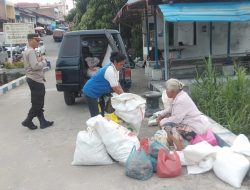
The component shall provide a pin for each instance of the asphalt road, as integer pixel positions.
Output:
(41, 159)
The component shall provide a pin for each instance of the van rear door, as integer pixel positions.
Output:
(111, 41)
(68, 64)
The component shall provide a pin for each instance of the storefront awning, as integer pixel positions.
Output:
(206, 12)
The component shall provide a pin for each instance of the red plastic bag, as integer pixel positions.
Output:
(208, 136)
(144, 144)
(168, 165)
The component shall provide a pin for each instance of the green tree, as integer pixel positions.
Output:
(70, 17)
(100, 14)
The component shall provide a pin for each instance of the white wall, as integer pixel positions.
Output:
(160, 23)
(240, 38)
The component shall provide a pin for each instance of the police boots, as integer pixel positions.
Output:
(43, 122)
(28, 123)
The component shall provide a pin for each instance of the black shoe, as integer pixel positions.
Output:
(43, 122)
(28, 123)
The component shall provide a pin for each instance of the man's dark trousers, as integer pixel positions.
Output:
(37, 97)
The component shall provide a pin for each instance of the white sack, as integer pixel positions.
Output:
(184, 162)
(204, 166)
(197, 152)
(167, 102)
(118, 140)
(231, 167)
(241, 145)
(92, 61)
(130, 108)
(90, 150)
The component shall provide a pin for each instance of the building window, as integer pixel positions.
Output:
(187, 33)
(171, 33)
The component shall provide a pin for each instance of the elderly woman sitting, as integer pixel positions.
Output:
(182, 120)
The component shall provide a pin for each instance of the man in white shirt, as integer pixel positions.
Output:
(104, 82)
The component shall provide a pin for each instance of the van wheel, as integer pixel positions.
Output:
(69, 98)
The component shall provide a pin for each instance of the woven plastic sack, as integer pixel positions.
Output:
(130, 108)
(168, 165)
(90, 150)
(241, 145)
(138, 165)
(231, 167)
(118, 140)
(92, 61)
(154, 148)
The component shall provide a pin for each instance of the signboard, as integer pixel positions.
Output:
(16, 33)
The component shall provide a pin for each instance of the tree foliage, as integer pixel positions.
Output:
(98, 14)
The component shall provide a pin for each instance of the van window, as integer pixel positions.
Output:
(70, 47)
(97, 45)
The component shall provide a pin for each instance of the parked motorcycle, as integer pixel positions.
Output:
(17, 57)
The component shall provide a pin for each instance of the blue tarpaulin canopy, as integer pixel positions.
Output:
(206, 12)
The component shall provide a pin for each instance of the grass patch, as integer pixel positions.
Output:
(15, 65)
(225, 99)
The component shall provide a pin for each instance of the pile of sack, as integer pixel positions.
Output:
(228, 163)
(103, 138)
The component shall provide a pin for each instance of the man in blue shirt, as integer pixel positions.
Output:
(104, 82)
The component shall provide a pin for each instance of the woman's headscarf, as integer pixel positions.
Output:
(174, 85)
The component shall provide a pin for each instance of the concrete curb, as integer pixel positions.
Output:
(15, 83)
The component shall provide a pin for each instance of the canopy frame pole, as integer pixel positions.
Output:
(147, 29)
(228, 43)
(166, 49)
(211, 39)
(155, 39)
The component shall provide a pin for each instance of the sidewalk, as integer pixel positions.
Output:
(223, 135)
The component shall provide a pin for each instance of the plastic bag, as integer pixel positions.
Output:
(168, 165)
(161, 137)
(118, 140)
(138, 165)
(155, 147)
(144, 144)
(113, 117)
(208, 136)
(154, 163)
(90, 150)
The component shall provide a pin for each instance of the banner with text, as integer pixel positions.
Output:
(16, 33)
